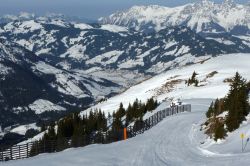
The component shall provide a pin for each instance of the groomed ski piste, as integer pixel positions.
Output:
(177, 140)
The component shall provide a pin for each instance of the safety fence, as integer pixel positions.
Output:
(50, 146)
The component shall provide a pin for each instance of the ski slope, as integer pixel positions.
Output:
(209, 87)
(174, 142)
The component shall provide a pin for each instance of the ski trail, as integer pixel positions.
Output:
(172, 142)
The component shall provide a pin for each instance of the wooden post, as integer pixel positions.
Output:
(27, 149)
(1, 159)
(19, 151)
(11, 157)
(125, 133)
(156, 118)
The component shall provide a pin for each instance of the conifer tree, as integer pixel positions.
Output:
(210, 111)
(129, 115)
(219, 130)
(237, 102)
(121, 110)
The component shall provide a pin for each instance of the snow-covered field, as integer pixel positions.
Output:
(171, 84)
(40, 106)
(23, 128)
(174, 141)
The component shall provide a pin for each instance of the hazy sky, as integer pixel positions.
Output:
(91, 9)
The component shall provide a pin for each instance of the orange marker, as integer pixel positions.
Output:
(125, 133)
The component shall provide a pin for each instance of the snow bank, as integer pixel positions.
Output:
(23, 128)
(40, 106)
(114, 28)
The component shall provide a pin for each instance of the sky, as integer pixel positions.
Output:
(91, 9)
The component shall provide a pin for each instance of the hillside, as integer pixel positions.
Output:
(171, 84)
(33, 90)
(175, 136)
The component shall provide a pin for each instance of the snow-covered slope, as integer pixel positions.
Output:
(23, 128)
(33, 89)
(174, 141)
(202, 16)
(212, 74)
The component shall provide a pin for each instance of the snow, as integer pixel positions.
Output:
(106, 58)
(147, 52)
(76, 52)
(232, 143)
(35, 138)
(43, 51)
(24, 27)
(182, 50)
(58, 22)
(220, 40)
(26, 44)
(41, 105)
(213, 87)
(4, 70)
(64, 82)
(26, 15)
(114, 28)
(196, 16)
(174, 141)
(83, 26)
(23, 128)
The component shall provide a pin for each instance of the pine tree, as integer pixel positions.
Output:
(129, 115)
(237, 102)
(210, 111)
(193, 80)
(196, 82)
(117, 122)
(219, 130)
(121, 110)
(43, 127)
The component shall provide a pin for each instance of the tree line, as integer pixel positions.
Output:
(235, 105)
(78, 129)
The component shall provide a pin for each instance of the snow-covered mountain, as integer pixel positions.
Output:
(74, 46)
(32, 89)
(22, 16)
(202, 16)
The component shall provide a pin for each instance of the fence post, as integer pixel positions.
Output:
(10, 153)
(19, 153)
(44, 146)
(125, 133)
(157, 117)
(1, 157)
(27, 149)
(151, 121)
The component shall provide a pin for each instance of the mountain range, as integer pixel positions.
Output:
(204, 16)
